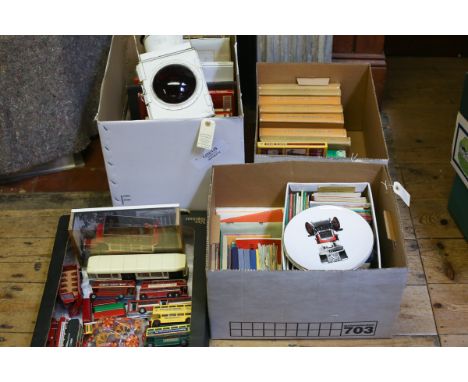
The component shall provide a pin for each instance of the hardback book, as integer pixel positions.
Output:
(299, 100)
(332, 142)
(301, 131)
(332, 120)
(294, 90)
(302, 109)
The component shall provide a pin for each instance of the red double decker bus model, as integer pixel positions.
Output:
(113, 290)
(57, 332)
(163, 289)
(69, 289)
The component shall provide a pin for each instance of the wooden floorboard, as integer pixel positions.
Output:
(19, 304)
(416, 317)
(454, 340)
(450, 304)
(15, 339)
(54, 200)
(431, 219)
(417, 341)
(416, 274)
(25, 250)
(445, 260)
(419, 177)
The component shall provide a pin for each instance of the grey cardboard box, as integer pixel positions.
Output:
(361, 110)
(157, 161)
(305, 304)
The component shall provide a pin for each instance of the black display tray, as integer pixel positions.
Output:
(199, 324)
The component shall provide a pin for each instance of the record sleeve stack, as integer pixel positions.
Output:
(302, 119)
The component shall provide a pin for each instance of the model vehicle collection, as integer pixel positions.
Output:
(129, 299)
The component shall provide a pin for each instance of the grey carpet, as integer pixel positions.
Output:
(49, 91)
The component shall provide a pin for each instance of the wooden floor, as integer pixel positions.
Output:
(420, 107)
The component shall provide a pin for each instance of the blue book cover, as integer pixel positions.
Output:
(246, 259)
(241, 258)
(253, 259)
(234, 257)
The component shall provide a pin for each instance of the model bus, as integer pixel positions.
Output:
(146, 306)
(174, 340)
(160, 289)
(69, 289)
(138, 267)
(163, 331)
(170, 314)
(131, 234)
(113, 289)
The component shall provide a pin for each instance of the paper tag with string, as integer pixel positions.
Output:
(206, 134)
(401, 192)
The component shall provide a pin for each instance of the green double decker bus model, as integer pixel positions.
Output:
(172, 335)
(180, 340)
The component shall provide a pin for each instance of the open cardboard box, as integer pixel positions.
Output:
(361, 110)
(157, 161)
(305, 304)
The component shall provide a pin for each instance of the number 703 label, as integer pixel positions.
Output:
(359, 328)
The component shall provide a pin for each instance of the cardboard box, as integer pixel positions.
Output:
(157, 161)
(361, 111)
(305, 304)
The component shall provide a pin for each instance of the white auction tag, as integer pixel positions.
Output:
(402, 193)
(206, 134)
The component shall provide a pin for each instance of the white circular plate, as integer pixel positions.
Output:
(328, 238)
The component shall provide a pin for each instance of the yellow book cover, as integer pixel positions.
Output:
(299, 131)
(300, 91)
(301, 109)
(299, 100)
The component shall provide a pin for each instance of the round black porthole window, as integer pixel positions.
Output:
(174, 84)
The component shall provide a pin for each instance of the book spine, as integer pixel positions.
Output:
(241, 259)
(246, 258)
(234, 257)
(253, 259)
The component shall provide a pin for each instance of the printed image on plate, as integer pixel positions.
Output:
(328, 238)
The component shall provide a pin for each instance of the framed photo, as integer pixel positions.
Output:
(459, 157)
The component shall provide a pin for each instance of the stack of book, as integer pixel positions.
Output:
(301, 120)
(346, 197)
(250, 239)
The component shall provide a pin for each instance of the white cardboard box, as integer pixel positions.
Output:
(157, 161)
(361, 110)
(362, 303)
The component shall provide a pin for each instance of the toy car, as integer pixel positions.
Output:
(161, 289)
(324, 230)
